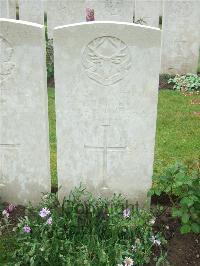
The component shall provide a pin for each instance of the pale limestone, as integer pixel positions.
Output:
(112, 10)
(12, 9)
(8, 9)
(24, 141)
(181, 36)
(63, 12)
(148, 12)
(31, 10)
(106, 84)
(160, 7)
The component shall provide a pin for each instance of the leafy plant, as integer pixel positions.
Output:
(182, 184)
(140, 21)
(84, 230)
(188, 82)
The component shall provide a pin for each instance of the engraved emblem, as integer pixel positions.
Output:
(106, 60)
(6, 66)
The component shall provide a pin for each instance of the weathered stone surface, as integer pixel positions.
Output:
(148, 11)
(8, 9)
(181, 35)
(112, 10)
(24, 142)
(160, 7)
(63, 12)
(106, 76)
(12, 9)
(31, 10)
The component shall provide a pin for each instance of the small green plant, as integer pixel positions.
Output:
(49, 58)
(182, 184)
(85, 230)
(188, 82)
(140, 21)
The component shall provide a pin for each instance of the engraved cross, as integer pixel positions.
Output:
(105, 149)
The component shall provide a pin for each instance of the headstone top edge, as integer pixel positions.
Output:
(22, 22)
(133, 25)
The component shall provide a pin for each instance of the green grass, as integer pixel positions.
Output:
(52, 136)
(178, 131)
(7, 247)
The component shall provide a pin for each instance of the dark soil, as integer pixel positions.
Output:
(181, 249)
(163, 82)
(50, 82)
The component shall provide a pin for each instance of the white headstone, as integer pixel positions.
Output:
(63, 12)
(148, 11)
(31, 10)
(8, 9)
(24, 142)
(181, 36)
(106, 76)
(160, 7)
(112, 10)
(12, 9)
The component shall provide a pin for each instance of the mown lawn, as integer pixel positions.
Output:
(178, 130)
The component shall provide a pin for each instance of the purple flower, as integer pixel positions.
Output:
(89, 14)
(11, 207)
(27, 229)
(5, 213)
(44, 212)
(49, 221)
(126, 213)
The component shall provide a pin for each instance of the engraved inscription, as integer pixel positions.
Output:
(106, 60)
(6, 64)
(105, 148)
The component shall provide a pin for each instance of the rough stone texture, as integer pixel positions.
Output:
(106, 77)
(148, 11)
(180, 38)
(24, 142)
(63, 12)
(31, 10)
(8, 9)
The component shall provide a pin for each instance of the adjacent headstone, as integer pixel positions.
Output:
(4, 9)
(24, 142)
(106, 78)
(112, 10)
(148, 12)
(160, 7)
(31, 10)
(12, 9)
(63, 12)
(181, 35)
(8, 9)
